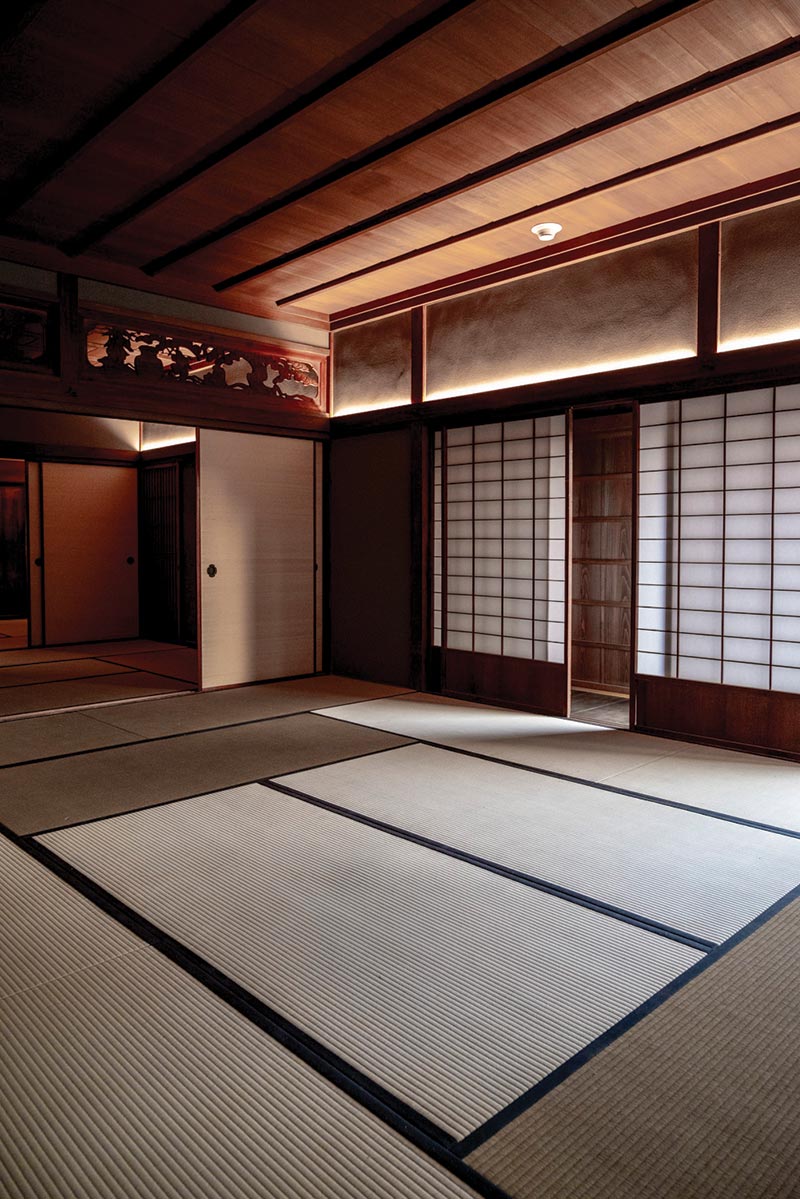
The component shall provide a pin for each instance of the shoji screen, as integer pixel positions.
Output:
(499, 540)
(719, 539)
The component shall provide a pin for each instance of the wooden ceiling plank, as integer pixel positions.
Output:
(763, 193)
(100, 229)
(635, 21)
(54, 160)
(699, 152)
(673, 96)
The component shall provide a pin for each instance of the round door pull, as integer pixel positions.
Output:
(211, 571)
(37, 562)
(130, 560)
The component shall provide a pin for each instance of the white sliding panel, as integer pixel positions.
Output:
(258, 518)
(501, 557)
(719, 539)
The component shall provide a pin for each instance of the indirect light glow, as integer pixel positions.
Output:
(595, 368)
(548, 231)
(350, 409)
(162, 445)
(760, 339)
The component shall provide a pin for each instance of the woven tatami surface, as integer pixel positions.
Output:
(698, 1101)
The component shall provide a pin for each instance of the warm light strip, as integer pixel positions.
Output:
(352, 408)
(162, 445)
(550, 376)
(760, 339)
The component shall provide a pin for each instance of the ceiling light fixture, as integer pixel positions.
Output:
(548, 231)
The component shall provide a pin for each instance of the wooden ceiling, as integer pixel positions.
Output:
(308, 158)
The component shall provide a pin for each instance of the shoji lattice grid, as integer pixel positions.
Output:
(719, 539)
(499, 538)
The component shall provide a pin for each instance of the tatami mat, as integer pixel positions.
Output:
(48, 930)
(63, 791)
(211, 709)
(46, 697)
(693, 873)
(134, 645)
(548, 742)
(127, 1078)
(49, 736)
(178, 662)
(699, 1100)
(56, 672)
(30, 657)
(749, 786)
(454, 988)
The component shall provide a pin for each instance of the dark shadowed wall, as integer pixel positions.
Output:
(371, 568)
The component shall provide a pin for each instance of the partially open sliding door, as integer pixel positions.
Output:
(259, 546)
(499, 562)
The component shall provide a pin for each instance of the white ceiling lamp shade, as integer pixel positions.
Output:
(547, 231)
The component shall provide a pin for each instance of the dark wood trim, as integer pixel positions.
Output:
(737, 717)
(326, 558)
(631, 24)
(750, 196)
(527, 214)
(134, 403)
(515, 682)
(708, 283)
(420, 533)
(42, 451)
(418, 351)
(568, 542)
(101, 228)
(700, 84)
(634, 551)
(70, 333)
(53, 161)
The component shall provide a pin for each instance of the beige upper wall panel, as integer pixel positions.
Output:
(372, 365)
(759, 293)
(632, 306)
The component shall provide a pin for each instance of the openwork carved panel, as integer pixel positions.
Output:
(189, 359)
(23, 336)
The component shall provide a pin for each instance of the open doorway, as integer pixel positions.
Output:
(602, 529)
(85, 561)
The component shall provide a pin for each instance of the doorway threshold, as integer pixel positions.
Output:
(611, 709)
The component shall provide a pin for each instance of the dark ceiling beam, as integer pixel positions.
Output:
(621, 29)
(17, 19)
(52, 162)
(101, 228)
(709, 81)
(765, 193)
(527, 214)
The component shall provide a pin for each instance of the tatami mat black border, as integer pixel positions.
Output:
(517, 876)
(165, 803)
(81, 678)
(571, 778)
(537, 1092)
(142, 739)
(414, 1127)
